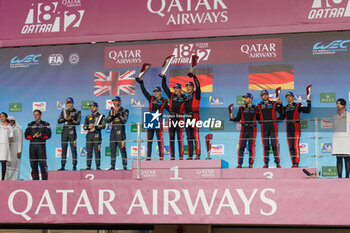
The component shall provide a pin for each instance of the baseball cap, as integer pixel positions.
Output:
(177, 85)
(93, 104)
(117, 98)
(290, 93)
(248, 95)
(157, 89)
(190, 84)
(263, 92)
(69, 100)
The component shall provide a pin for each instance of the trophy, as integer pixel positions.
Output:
(230, 110)
(194, 63)
(166, 65)
(208, 140)
(308, 92)
(144, 69)
(65, 115)
(98, 120)
(278, 92)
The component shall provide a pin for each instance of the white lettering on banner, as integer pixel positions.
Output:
(46, 201)
(259, 50)
(83, 197)
(126, 56)
(201, 195)
(327, 9)
(245, 200)
(155, 202)
(174, 202)
(176, 173)
(227, 195)
(184, 12)
(210, 123)
(24, 212)
(226, 200)
(106, 203)
(50, 17)
(268, 201)
(138, 201)
(64, 199)
(46, 197)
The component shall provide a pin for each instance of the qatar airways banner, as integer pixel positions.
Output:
(173, 202)
(33, 22)
(208, 52)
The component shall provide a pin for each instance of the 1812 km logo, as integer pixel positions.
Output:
(51, 17)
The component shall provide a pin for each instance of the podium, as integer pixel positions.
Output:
(90, 175)
(183, 170)
(179, 169)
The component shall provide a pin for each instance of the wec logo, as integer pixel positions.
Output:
(51, 17)
(29, 60)
(331, 48)
(325, 9)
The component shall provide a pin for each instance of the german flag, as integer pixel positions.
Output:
(204, 75)
(269, 77)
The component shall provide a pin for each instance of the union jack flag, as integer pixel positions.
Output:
(114, 83)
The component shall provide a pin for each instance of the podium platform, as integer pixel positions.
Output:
(90, 175)
(183, 170)
(179, 169)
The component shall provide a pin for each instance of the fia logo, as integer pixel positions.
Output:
(327, 9)
(151, 120)
(55, 59)
(51, 17)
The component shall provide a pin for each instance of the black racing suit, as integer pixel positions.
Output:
(93, 139)
(292, 114)
(37, 147)
(69, 134)
(176, 110)
(118, 136)
(192, 114)
(247, 116)
(267, 111)
(155, 104)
